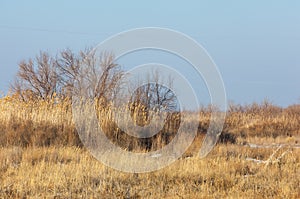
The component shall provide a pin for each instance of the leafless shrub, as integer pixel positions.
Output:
(68, 65)
(153, 96)
(36, 78)
(99, 75)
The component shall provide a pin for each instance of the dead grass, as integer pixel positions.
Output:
(71, 172)
(45, 123)
(41, 156)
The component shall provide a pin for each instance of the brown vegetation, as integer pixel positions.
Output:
(69, 172)
(49, 122)
(41, 156)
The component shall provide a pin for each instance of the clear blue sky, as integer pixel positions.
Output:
(255, 44)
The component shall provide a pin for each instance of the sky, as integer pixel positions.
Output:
(255, 44)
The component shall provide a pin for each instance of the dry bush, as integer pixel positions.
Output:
(263, 120)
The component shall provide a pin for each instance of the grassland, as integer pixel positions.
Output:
(41, 156)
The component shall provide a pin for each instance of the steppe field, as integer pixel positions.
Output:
(41, 156)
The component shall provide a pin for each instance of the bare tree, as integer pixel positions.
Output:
(98, 76)
(68, 65)
(44, 76)
(153, 96)
(37, 77)
(99, 72)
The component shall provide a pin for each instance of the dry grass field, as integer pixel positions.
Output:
(41, 156)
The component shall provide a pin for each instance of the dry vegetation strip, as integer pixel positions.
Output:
(69, 172)
(41, 156)
(49, 122)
